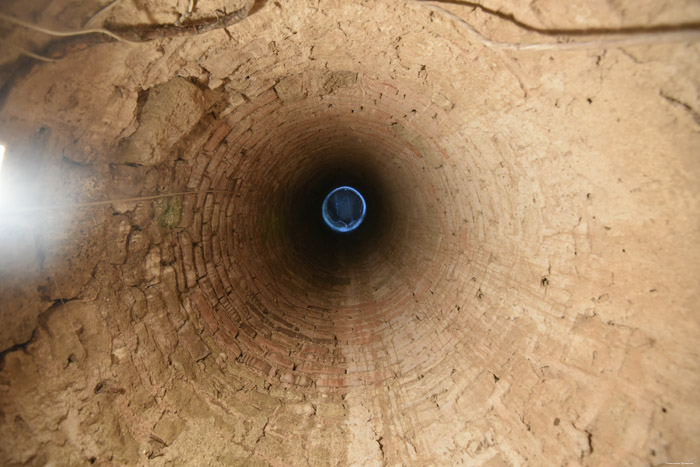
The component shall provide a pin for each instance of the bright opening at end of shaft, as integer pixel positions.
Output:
(344, 209)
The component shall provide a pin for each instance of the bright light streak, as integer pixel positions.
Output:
(4, 189)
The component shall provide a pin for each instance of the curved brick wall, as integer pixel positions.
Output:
(523, 290)
(304, 307)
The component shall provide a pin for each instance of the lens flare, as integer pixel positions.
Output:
(3, 186)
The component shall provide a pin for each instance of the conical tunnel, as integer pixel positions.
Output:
(522, 288)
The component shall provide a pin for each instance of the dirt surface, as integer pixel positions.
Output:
(531, 301)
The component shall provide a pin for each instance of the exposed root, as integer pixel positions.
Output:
(618, 38)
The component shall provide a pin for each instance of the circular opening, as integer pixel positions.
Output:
(344, 209)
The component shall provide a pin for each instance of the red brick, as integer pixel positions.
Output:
(228, 322)
(257, 363)
(208, 290)
(228, 343)
(330, 381)
(200, 264)
(188, 259)
(208, 208)
(205, 311)
(197, 171)
(269, 344)
(213, 276)
(217, 137)
(280, 360)
(295, 378)
(248, 346)
(314, 348)
(224, 278)
(192, 342)
(248, 330)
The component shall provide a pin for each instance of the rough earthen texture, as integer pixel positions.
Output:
(531, 298)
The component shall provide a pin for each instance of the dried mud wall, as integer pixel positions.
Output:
(525, 293)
